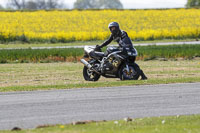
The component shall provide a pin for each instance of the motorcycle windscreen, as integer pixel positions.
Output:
(89, 49)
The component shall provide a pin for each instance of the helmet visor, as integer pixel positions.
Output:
(114, 30)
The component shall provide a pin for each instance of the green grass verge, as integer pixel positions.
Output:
(47, 76)
(100, 84)
(167, 124)
(48, 55)
(39, 55)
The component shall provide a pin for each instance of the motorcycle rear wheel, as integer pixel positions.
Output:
(90, 75)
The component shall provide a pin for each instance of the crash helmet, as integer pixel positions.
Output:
(114, 28)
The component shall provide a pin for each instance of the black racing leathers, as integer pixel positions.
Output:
(121, 38)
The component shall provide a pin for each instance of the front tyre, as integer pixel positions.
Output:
(90, 75)
(130, 73)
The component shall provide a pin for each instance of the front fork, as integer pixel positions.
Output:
(127, 67)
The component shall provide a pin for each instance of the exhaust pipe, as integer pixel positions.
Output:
(86, 63)
(89, 66)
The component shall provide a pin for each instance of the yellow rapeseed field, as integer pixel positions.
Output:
(92, 24)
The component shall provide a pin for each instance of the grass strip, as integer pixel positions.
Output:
(165, 124)
(74, 54)
(46, 76)
(101, 84)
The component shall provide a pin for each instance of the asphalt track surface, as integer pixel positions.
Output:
(134, 44)
(31, 109)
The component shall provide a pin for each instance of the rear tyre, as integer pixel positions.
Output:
(90, 75)
(131, 74)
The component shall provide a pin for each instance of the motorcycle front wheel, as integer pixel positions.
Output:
(90, 75)
(130, 73)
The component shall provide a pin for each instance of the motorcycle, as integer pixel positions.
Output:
(114, 63)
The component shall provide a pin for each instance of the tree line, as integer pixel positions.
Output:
(79, 4)
(57, 4)
(34, 4)
(193, 3)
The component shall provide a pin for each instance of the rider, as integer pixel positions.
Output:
(121, 37)
(117, 35)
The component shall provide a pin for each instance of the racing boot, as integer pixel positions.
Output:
(144, 77)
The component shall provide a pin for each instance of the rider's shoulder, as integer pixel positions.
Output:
(124, 33)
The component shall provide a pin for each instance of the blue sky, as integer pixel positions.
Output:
(137, 4)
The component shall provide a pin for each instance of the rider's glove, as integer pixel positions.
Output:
(98, 48)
